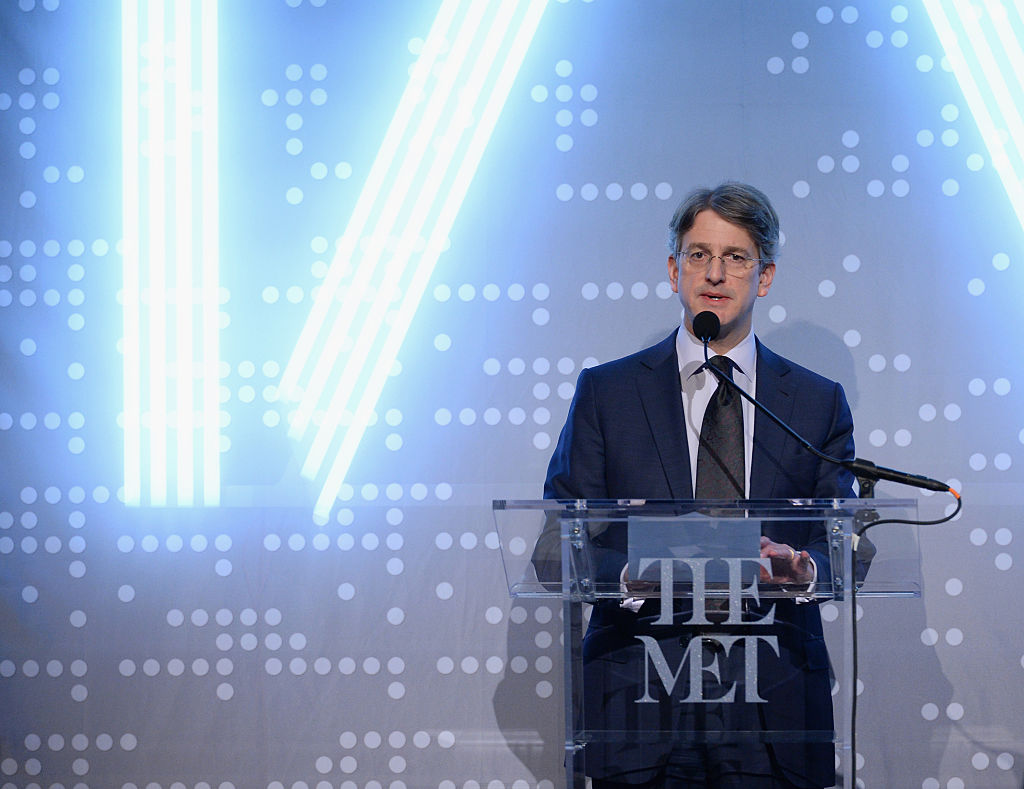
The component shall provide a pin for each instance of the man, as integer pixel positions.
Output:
(635, 431)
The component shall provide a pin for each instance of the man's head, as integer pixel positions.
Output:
(723, 243)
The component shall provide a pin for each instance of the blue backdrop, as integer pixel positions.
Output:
(190, 596)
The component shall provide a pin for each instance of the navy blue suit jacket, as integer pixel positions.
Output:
(625, 438)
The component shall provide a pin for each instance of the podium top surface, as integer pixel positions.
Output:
(532, 533)
(752, 508)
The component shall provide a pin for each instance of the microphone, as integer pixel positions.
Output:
(865, 469)
(706, 327)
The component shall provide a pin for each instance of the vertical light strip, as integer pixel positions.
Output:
(456, 121)
(183, 252)
(209, 202)
(130, 285)
(170, 250)
(156, 253)
(986, 66)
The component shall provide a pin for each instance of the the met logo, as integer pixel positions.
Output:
(703, 663)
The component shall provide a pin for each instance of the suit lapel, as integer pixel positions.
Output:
(776, 393)
(661, 395)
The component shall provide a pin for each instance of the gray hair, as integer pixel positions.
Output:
(738, 203)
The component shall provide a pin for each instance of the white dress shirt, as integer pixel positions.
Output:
(699, 387)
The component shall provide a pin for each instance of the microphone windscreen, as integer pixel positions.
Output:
(706, 326)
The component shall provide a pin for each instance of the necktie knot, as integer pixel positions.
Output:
(723, 364)
(724, 394)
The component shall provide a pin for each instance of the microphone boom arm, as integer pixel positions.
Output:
(866, 472)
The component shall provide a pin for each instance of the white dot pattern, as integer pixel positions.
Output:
(396, 599)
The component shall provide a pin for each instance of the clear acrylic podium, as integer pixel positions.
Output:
(714, 651)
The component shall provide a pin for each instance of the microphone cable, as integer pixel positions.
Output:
(706, 326)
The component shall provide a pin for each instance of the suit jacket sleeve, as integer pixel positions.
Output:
(834, 481)
(577, 471)
(830, 480)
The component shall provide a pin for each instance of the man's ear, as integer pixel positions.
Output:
(764, 279)
(673, 273)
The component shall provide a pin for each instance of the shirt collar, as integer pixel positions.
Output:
(690, 351)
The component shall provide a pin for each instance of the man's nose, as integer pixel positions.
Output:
(715, 271)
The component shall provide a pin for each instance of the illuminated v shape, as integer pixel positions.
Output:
(399, 227)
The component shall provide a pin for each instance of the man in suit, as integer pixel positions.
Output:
(634, 431)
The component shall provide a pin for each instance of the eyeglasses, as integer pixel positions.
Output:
(733, 262)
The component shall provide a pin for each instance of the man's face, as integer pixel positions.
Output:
(731, 297)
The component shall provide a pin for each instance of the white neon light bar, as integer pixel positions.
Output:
(209, 240)
(169, 52)
(368, 199)
(349, 346)
(183, 250)
(984, 51)
(130, 286)
(155, 197)
(377, 272)
(435, 245)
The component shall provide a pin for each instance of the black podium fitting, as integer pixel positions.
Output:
(696, 650)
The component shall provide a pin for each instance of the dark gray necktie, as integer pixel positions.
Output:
(720, 467)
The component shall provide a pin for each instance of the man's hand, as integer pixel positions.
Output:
(788, 565)
(637, 588)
